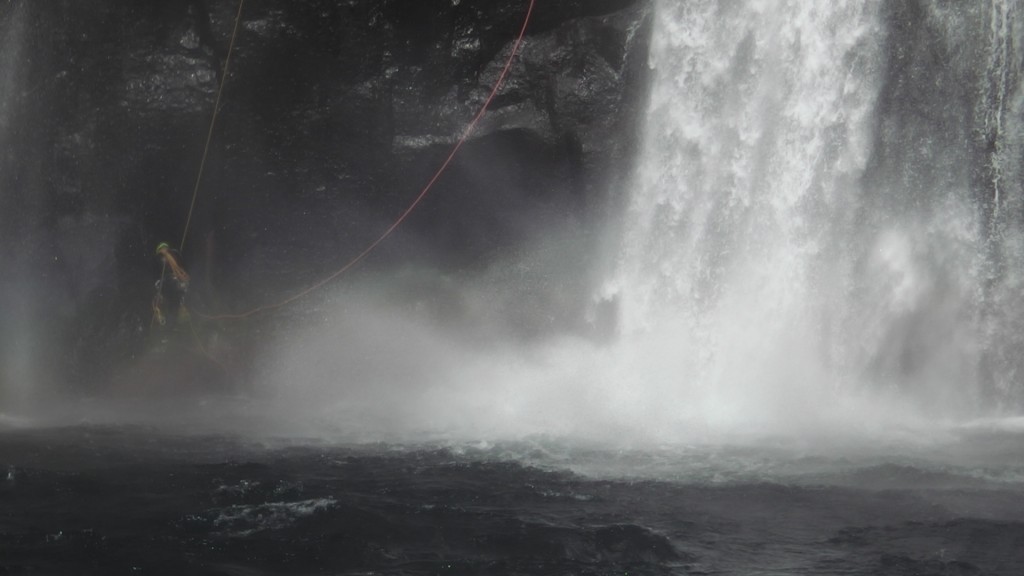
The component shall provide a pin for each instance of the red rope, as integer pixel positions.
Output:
(415, 202)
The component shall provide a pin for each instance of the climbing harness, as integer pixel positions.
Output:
(401, 218)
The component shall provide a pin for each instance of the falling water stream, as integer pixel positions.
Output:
(779, 259)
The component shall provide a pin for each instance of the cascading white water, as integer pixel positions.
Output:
(736, 251)
(1000, 113)
(760, 119)
(766, 270)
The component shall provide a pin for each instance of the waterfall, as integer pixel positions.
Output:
(807, 223)
(999, 113)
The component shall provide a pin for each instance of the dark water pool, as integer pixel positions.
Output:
(131, 500)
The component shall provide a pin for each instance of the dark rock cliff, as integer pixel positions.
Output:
(334, 116)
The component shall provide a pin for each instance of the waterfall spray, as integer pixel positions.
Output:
(793, 235)
(803, 252)
(1000, 136)
(736, 247)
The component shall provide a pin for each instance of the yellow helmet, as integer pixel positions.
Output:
(161, 247)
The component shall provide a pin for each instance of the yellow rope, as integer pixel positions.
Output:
(176, 269)
(213, 121)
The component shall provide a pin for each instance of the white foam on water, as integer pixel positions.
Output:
(242, 520)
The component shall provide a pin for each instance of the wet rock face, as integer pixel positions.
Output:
(334, 116)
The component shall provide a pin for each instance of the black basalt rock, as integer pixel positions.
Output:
(334, 116)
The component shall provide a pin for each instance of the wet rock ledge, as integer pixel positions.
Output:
(334, 116)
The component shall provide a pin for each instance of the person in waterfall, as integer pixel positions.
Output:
(177, 287)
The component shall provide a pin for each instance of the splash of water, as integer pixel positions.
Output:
(774, 267)
(801, 256)
(1000, 112)
(740, 250)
